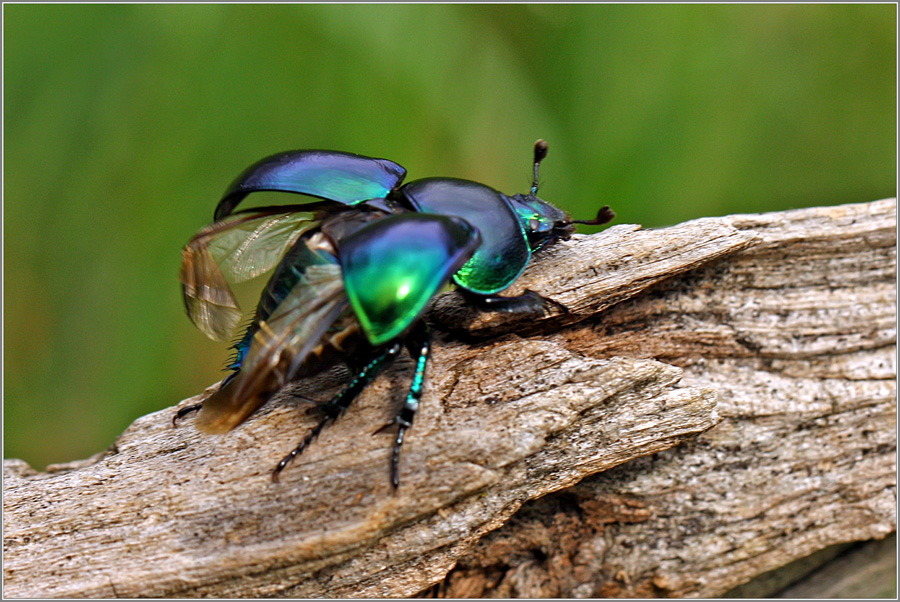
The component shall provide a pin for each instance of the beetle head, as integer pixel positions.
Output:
(542, 222)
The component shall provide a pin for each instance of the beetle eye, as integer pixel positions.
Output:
(534, 224)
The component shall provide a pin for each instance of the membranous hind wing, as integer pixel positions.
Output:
(304, 298)
(235, 249)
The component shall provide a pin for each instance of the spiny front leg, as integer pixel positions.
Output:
(337, 406)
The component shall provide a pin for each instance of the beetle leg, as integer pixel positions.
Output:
(185, 411)
(199, 406)
(419, 346)
(337, 406)
(527, 302)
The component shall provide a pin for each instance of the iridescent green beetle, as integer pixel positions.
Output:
(354, 273)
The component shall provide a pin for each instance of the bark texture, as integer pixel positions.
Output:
(719, 401)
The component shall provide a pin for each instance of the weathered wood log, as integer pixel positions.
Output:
(858, 570)
(720, 401)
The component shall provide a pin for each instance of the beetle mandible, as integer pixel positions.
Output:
(355, 270)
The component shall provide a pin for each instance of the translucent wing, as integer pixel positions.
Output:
(237, 248)
(252, 248)
(282, 341)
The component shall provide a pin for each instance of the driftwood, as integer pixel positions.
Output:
(719, 402)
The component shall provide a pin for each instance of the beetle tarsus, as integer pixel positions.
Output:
(337, 406)
(310, 437)
(418, 343)
(185, 411)
(552, 303)
(395, 454)
(403, 425)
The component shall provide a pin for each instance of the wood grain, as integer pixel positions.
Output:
(719, 400)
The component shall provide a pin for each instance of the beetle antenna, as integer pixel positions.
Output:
(540, 153)
(604, 216)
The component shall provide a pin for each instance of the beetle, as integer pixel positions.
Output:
(355, 269)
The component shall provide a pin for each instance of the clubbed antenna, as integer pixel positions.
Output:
(604, 216)
(540, 153)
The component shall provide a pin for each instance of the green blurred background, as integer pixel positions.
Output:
(123, 124)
